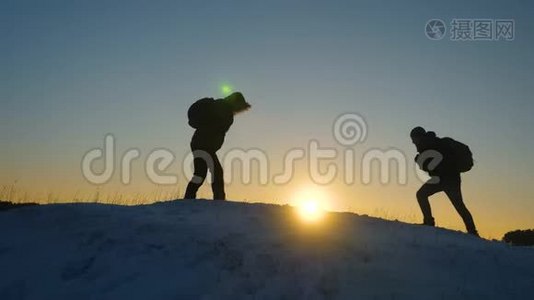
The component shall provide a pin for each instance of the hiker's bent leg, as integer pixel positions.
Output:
(454, 192)
(201, 170)
(217, 177)
(428, 189)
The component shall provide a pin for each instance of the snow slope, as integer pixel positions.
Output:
(206, 249)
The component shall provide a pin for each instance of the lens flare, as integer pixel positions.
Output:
(226, 89)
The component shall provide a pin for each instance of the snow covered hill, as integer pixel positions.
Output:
(206, 249)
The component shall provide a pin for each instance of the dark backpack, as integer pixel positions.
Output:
(463, 156)
(200, 112)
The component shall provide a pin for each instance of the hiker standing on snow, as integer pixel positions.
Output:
(211, 118)
(444, 159)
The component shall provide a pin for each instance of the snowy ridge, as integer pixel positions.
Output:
(206, 249)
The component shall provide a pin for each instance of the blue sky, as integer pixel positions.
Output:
(73, 71)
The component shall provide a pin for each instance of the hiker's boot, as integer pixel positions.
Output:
(191, 191)
(429, 222)
(473, 232)
(218, 191)
(219, 197)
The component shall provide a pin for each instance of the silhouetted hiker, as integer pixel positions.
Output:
(211, 118)
(455, 158)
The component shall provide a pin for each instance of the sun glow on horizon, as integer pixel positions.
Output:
(310, 204)
(310, 211)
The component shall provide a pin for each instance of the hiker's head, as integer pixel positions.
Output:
(237, 102)
(417, 134)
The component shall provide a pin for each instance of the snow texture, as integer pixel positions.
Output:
(212, 250)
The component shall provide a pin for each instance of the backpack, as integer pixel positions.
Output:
(462, 154)
(200, 112)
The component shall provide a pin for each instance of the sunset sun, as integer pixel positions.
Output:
(310, 210)
(310, 204)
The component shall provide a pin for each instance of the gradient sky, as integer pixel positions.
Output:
(73, 71)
